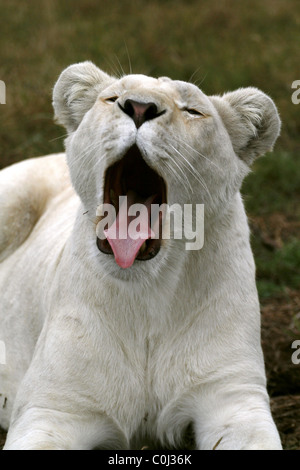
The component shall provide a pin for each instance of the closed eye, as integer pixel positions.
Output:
(112, 99)
(194, 112)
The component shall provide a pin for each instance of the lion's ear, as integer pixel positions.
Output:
(251, 119)
(76, 91)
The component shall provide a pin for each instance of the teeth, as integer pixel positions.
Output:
(143, 247)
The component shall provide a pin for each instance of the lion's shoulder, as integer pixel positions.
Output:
(26, 189)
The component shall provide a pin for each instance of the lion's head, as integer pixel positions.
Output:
(158, 141)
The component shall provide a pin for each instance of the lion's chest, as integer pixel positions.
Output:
(138, 382)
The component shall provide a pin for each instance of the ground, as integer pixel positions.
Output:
(278, 333)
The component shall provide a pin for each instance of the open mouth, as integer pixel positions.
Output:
(133, 178)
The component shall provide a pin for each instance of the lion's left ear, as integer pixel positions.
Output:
(251, 119)
(76, 91)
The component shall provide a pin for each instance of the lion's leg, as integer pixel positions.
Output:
(46, 429)
(236, 421)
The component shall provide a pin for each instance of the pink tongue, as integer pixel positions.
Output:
(126, 248)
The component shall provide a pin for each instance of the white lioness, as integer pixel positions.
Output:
(115, 346)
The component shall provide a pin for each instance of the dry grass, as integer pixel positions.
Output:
(279, 329)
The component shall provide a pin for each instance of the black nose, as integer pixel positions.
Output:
(140, 112)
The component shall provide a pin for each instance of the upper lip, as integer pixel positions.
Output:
(132, 173)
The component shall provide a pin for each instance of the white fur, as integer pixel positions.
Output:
(101, 357)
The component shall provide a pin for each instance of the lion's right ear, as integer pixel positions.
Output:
(76, 91)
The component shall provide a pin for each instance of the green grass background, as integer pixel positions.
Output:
(218, 44)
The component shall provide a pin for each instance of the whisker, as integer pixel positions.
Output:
(121, 68)
(82, 157)
(193, 171)
(190, 80)
(58, 138)
(128, 56)
(185, 176)
(200, 81)
(114, 68)
(172, 170)
(86, 151)
(198, 153)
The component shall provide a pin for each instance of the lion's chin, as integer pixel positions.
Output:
(132, 181)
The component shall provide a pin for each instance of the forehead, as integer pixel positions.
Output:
(179, 89)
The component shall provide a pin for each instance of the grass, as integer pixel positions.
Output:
(273, 184)
(278, 270)
(274, 189)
